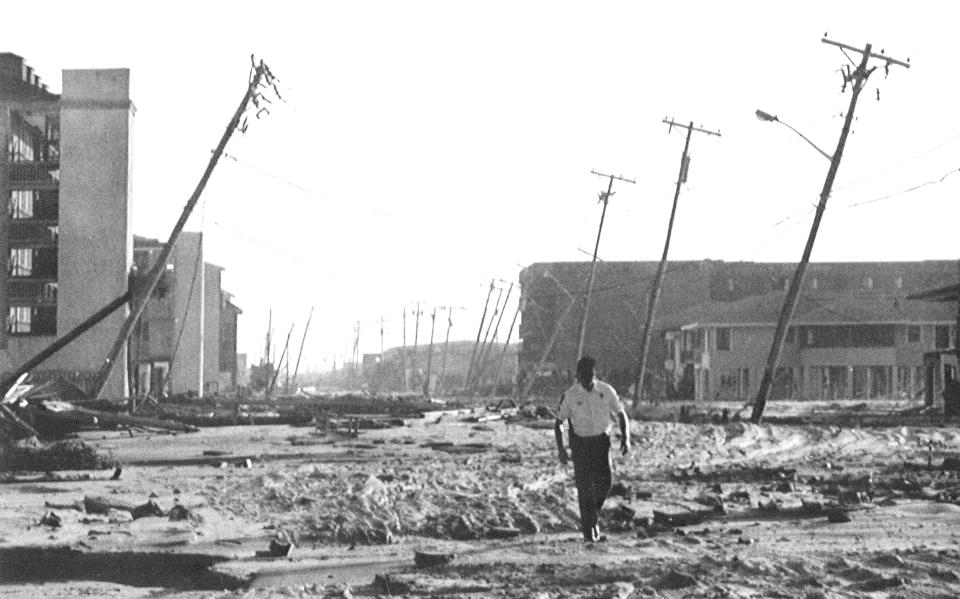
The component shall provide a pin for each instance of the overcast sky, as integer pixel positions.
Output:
(427, 147)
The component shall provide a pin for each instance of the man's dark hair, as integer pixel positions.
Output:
(586, 365)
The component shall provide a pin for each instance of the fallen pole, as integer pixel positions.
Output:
(62, 342)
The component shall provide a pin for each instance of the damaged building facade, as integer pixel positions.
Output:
(186, 339)
(65, 228)
(854, 334)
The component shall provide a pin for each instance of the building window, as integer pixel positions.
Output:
(723, 339)
(942, 336)
(21, 262)
(18, 321)
(913, 333)
(862, 335)
(32, 320)
(21, 204)
(730, 384)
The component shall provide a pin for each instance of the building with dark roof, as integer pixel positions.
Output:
(741, 300)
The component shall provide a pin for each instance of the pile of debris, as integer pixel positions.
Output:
(55, 408)
(30, 455)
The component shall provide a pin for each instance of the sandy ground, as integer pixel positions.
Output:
(358, 509)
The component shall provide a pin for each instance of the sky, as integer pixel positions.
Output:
(425, 148)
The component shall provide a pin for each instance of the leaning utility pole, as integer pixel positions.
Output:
(356, 353)
(266, 350)
(433, 323)
(416, 333)
(276, 372)
(473, 356)
(506, 345)
(557, 329)
(856, 79)
(403, 353)
(446, 345)
(260, 77)
(658, 279)
(302, 342)
(478, 365)
(604, 198)
(483, 361)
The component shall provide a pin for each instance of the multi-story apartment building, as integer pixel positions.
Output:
(185, 341)
(842, 346)
(65, 228)
(866, 325)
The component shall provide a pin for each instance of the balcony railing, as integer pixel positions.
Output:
(36, 173)
(25, 291)
(34, 233)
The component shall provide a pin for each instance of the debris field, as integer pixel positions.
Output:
(474, 503)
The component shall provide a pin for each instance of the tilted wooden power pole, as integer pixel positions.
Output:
(485, 351)
(476, 344)
(433, 324)
(302, 342)
(658, 279)
(478, 363)
(261, 77)
(856, 79)
(604, 199)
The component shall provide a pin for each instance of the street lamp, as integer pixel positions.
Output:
(770, 118)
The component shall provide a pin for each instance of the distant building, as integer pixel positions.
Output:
(710, 298)
(839, 347)
(186, 339)
(65, 229)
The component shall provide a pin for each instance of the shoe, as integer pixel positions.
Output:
(591, 535)
(595, 533)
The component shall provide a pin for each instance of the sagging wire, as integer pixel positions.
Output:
(905, 191)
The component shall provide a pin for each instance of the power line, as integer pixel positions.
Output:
(905, 191)
(297, 186)
(898, 165)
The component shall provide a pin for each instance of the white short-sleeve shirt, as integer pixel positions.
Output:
(591, 413)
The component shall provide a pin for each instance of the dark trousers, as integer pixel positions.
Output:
(591, 470)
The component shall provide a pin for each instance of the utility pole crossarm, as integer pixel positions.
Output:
(674, 123)
(867, 51)
(617, 177)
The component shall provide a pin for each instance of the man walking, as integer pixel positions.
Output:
(589, 406)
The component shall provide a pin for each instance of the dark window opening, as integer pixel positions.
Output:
(942, 336)
(723, 339)
(32, 320)
(861, 335)
(913, 334)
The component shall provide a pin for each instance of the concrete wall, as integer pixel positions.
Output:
(186, 372)
(211, 327)
(96, 243)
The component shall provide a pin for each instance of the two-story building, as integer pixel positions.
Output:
(746, 296)
(841, 346)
